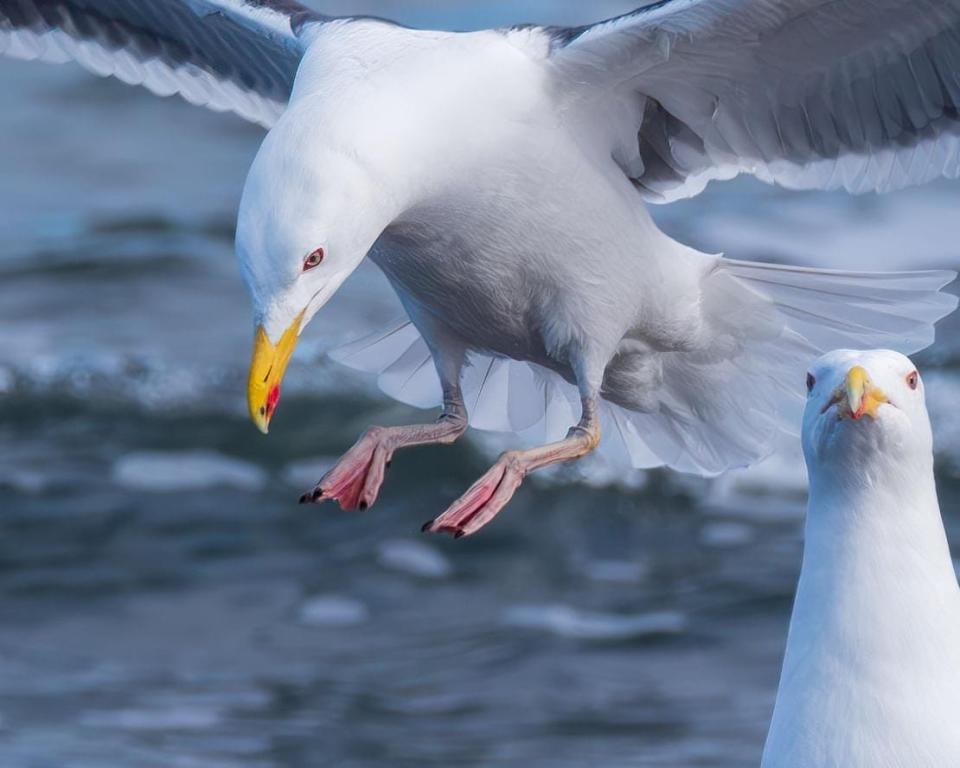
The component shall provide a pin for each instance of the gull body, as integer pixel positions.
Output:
(871, 675)
(500, 180)
(468, 230)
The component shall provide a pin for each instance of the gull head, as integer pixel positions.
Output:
(865, 416)
(307, 219)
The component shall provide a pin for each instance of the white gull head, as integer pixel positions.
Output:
(865, 419)
(309, 214)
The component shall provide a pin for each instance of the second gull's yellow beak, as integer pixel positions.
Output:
(860, 395)
(267, 367)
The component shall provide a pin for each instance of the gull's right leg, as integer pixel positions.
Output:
(356, 479)
(490, 494)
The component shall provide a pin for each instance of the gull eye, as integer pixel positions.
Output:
(811, 382)
(913, 380)
(313, 260)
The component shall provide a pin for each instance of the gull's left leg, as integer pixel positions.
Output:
(486, 497)
(356, 479)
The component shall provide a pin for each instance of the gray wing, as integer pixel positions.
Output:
(227, 55)
(855, 94)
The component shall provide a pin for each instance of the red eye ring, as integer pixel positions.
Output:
(313, 260)
(913, 380)
(811, 382)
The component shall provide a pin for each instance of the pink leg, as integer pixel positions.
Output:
(356, 479)
(486, 497)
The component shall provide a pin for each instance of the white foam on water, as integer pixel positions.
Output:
(617, 571)
(333, 611)
(181, 718)
(726, 534)
(566, 621)
(221, 698)
(205, 761)
(31, 470)
(24, 481)
(307, 472)
(186, 471)
(414, 558)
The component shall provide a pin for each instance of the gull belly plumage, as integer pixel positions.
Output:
(499, 178)
(871, 675)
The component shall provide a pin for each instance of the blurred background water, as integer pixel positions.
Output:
(164, 600)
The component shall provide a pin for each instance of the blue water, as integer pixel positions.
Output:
(164, 600)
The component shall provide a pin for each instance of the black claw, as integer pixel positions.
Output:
(363, 506)
(304, 498)
(389, 463)
(427, 526)
(317, 494)
(460, 533)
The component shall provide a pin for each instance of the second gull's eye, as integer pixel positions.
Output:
(913, 380)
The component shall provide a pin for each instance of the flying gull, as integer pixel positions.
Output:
(500, 179)
(871, 675)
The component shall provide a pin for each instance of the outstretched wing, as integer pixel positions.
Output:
(227, 55)
(855, 94)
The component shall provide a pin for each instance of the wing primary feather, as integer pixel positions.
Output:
(236, 55)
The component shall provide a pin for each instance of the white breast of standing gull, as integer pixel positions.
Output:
(871, 676)
(500, 179)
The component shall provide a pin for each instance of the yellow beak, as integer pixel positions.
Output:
(862, 397)
(267, 367)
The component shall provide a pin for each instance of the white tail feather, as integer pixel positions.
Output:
(716, 410)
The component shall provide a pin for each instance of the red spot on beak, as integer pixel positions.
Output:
(272, 399)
